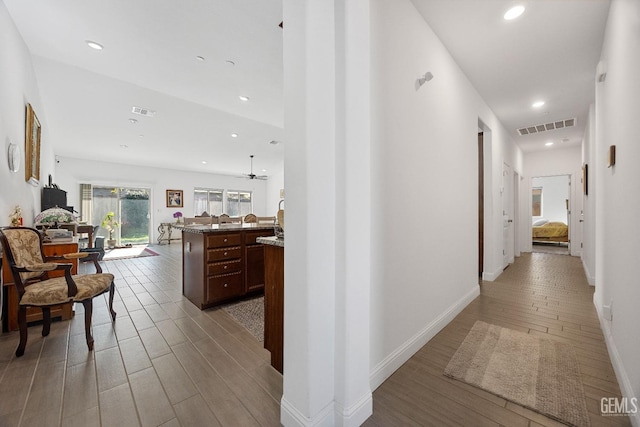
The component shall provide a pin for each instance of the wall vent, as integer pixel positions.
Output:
(143, 111)
(560, 124)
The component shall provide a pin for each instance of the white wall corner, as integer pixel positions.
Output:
(493, 275)
(391, 363)
(290, 416)
(621, 374)
(356, 414)
(591, 279)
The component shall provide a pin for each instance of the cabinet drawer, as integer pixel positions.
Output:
(224, 286)
(250, 237)
(223, 240)
(224, 267)
(223, 254)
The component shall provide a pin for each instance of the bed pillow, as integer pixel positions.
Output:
(539, 222)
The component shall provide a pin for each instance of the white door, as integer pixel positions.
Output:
(507, 215)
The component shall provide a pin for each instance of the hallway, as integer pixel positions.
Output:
(540, 294)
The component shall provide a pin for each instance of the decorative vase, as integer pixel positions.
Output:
(111, 243)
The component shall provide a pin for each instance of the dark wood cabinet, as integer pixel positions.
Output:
(222, 264)
(64, 311)
(274, 304)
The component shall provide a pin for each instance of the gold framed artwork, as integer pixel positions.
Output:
(32, 133)
(174, 198)
(612, 156)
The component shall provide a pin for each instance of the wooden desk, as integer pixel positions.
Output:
(64, 311)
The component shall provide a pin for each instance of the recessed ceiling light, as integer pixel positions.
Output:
(243, 98)
(124, 146)
(264, 170)
(133, 121)
(549, 144)
(204, 162)
(234, 135)
(140, 136)
(537, 104)
(273, 142)
(229, 62)
(514, 12)
(565, 139)
(94, 45)
(200, 58)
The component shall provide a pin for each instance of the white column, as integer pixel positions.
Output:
(327, 167)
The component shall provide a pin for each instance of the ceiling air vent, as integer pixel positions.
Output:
(529, 130)
(143, 111)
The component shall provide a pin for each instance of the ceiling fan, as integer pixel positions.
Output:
(252, 175)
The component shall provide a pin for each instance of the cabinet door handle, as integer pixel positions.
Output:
(225, 240)
(225, 267)
(226, 253)
(226, 285)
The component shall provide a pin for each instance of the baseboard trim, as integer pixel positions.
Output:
(616, 361)
(391, 363)
(357, 413)
(290, 416)
(490, 277)
(590, 279)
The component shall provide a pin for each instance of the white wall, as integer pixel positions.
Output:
(425, 186)
(275, 183)
(564, 161)
(18, 86)
(70, 173)
(555, 192)
(589, 201)
(618, 210)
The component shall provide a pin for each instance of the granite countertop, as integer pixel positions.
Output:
(212, 228)
(273, 241)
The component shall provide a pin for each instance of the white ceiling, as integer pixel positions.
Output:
(549, 53)
(149, 61)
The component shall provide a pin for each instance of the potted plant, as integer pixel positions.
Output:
(178, 217)
(109, 222)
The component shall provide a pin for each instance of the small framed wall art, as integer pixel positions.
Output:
(32, 148)
(612, 156)
(174, 198)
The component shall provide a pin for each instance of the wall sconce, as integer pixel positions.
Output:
(423, 79)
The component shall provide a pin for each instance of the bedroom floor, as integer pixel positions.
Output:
(551, 248)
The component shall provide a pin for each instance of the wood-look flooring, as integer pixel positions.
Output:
(164, 362)
(167, 363)
(541, 294)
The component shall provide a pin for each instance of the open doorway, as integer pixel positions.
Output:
(550, 214)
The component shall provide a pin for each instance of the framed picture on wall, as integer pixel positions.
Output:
(32, 147)
(174, 198)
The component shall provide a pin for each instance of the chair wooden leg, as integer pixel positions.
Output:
(88, 311)
(111, 292)
(22, 324)
(46, 321)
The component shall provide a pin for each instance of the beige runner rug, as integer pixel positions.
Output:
(540, 374)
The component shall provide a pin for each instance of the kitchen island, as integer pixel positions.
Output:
(222, 262)
(274, 298)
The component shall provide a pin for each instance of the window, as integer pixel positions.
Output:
(209, 201)
(239, 203)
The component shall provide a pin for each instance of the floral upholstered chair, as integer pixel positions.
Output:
(30, 269)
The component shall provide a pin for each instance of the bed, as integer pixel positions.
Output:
(550, 232)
